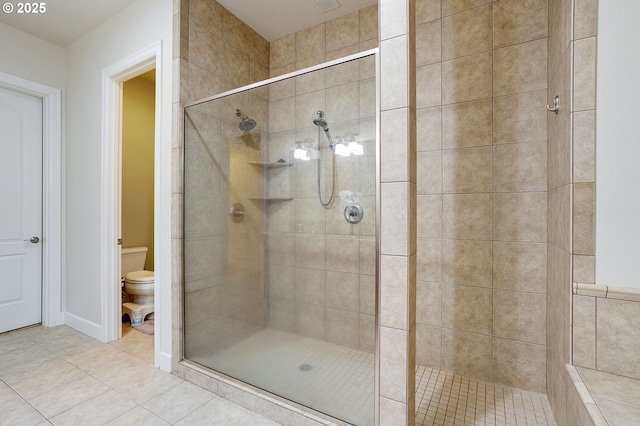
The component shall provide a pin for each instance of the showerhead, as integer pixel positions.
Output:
(247, 123)
(322, 123)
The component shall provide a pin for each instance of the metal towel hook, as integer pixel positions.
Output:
(556, 105)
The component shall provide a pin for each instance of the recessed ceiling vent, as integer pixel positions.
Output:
(326, 5)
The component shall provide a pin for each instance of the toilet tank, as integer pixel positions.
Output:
(133, 259)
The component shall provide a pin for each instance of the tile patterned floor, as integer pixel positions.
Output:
(444, 398)
(62, 377)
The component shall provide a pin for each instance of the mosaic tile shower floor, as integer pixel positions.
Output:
(324, 375)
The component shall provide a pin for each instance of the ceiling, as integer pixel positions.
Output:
(67, 20)
(273, 19)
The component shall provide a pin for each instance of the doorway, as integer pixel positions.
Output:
(137, 194)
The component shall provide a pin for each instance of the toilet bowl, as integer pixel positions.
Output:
(138, 283)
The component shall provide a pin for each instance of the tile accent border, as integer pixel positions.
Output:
(609, 292)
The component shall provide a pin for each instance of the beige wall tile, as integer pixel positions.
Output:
(282, 282)
(394, 89)
(584, 331)
(467, 124)
(466, 79)
(369, 23)
(342, 327)
(617, 338)
(457, 357)
(367, 294)
(520, 68)
(521, 217)
(394, 145)
(429, 129)
(519, 117)
(367, 333)
(343, 102)
(429, 43)
(429, 216)
(585, 18)
(429, 164)
(394, 292)
(584, 269)
(559, 147)
(467, 170)
(394, 19)
(454, 6)
(559, 280)
(519, 21)
(584, 146)
(518, 364)
(584, 74)
(429, 305)
(467, 262)
(521, 167)
(207, 14)
(557, 330)
(394, 223)
(394, 366)
(343, 31)
(467, 308)
(343, 291)
(309, 285)
(202, 83)
(205, 49)
(310, 320)
(310, 251)
(560, 23)
(283, 51)
(343, 253)
(393, 412)
(367, 256)
(427, 10)
(468, 216)
(557, 394)
(576, 409)
(520, 316)
(429, 260)
(467, 33)
(428, 346)
(310, 42)
(583, 218)
(428, 85)
(559, 231)
(520, 266)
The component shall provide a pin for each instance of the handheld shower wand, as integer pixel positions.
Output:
(322, 123)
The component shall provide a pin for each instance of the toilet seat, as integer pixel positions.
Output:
(140, 277)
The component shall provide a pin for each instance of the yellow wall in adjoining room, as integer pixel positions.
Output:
(138, 126)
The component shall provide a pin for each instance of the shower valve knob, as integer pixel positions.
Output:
(353, 213)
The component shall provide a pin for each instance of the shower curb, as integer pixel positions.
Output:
(588, 403)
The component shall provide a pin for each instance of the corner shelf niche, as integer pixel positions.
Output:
(268, 165)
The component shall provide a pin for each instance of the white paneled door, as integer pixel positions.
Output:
(20, 210)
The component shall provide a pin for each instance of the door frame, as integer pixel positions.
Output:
(52, 213)
(112, 79)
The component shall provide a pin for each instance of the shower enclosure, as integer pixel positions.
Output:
(280, 241)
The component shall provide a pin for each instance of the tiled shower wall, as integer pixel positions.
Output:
(321, 269)
(213, 52)
(482, 189)
(571, 74)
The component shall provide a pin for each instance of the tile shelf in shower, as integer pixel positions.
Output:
(269, 164)
(267, 198)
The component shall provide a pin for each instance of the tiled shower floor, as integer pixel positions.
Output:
(340, 381)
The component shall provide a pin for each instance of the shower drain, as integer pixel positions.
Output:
(305, 367)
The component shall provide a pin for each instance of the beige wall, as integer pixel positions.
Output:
(482, 181)
(321, 268)
(224, 292)
(571, 143)
(138, 150)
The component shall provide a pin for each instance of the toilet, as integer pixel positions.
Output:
(138, 284)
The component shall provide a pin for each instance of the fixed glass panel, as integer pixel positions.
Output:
(280, 237)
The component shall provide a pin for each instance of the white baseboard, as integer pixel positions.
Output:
(82, 325)
(163, 361)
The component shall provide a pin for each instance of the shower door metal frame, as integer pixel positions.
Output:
(375, 52)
